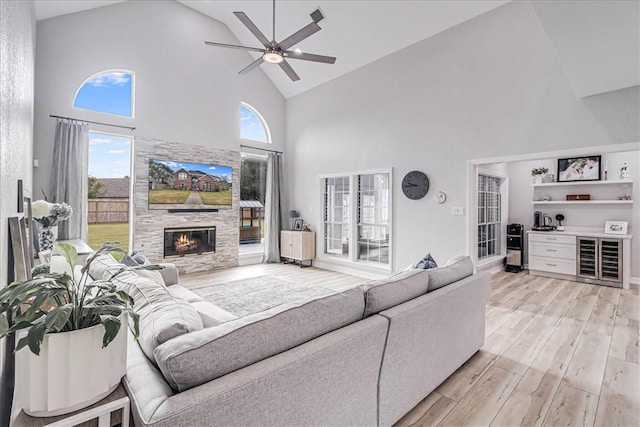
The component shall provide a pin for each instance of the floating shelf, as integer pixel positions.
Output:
(584, 202)
(580, 183)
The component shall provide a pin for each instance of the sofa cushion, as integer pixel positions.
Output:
(184, 293)
(163, 316)
(154, 275)
(100, 264)
(455, 269)
(196, 358)
(212, 315)
(383, 294)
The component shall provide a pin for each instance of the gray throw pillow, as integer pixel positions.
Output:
(134, 259)
(426, 263)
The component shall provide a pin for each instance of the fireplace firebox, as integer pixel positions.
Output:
(186, 241)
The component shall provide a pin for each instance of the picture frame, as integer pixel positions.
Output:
(298, 224)
(615, 227)
(585, 168)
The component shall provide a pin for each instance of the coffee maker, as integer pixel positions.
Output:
(538, 219)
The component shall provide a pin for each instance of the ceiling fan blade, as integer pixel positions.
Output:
(254, 64)
(299, 35)
(252, 27)
(291, 54)
(287, 69)
(233, 46)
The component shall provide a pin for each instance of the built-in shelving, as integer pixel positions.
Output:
(583, 202)
(581, 183)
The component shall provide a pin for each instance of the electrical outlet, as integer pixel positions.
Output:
(457, 210)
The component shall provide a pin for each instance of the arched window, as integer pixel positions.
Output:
(107, 92)
(253, 125)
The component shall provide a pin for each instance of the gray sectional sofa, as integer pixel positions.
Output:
(362, 357)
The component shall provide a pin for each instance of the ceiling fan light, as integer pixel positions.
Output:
(272, 57)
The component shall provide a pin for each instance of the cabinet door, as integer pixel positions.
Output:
(296, 245)
(611, 260)
(588, 257)
(285, 244)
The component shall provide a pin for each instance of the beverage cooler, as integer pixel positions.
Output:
(515, 248)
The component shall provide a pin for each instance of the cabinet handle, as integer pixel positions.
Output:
(551, 238)
(552, 265)
(552, 250)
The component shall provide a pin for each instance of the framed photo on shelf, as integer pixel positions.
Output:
(579, 169)
(297, 224)
(615, 227)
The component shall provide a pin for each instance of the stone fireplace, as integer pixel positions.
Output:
(186, 241)
(219, 248)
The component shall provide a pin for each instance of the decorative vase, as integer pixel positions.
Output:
(547, 178)
(72, 371)
(46, 238)
(537, 179)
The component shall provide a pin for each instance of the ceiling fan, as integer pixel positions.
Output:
(278, 53)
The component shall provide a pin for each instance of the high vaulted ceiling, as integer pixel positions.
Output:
(597, 41)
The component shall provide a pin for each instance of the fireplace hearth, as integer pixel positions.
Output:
(188, 241)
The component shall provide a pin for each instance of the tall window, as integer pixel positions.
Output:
(336, 216)
(253, 185)
(373, 217)
(107, 92)
(489, 216)
(253, 125)
(109, 189)
(367, 198)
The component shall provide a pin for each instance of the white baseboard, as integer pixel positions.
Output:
(634, 280)
(492, 266)
(351, 269)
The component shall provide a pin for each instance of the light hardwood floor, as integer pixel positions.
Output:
(556, 353)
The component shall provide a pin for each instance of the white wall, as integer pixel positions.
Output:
(17, 53)
(522, 193)
(488, 87)
(185, 91)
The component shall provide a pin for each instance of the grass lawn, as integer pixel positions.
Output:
(109, 232)
(216, 197)
(169, 196)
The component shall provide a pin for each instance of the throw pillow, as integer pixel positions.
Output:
(134, 259)
(426, 263)
(154, 275)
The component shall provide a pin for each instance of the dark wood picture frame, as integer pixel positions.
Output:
(573, 169)
(297, 224)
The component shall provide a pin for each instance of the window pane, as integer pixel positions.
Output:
(336, 216)
(489, 216)
(253, 183)
(373, 217)
(109, 185)
(109, 92)
(252, 126)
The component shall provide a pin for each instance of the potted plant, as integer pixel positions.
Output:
(74, 325)
(537, 174)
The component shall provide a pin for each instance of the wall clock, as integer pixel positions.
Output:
(415, 185)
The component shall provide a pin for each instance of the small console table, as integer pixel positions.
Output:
(298, 246)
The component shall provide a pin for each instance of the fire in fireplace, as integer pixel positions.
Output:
(184, 241)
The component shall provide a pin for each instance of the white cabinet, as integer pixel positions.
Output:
(298, 246)
(552, 254)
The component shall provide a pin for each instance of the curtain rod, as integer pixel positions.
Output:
(261, 149)
(89, 121)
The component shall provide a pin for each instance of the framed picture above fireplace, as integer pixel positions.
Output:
(176, 185)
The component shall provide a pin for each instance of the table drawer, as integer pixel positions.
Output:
(552, 265)
(552, 250)
(552, 238)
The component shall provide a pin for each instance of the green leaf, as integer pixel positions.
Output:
(69, 253)
(21, 343)
(4, 325)
(35, 336)
(111, 327)
(58, 317)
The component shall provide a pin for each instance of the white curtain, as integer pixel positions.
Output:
(272, 215)
(69, 178)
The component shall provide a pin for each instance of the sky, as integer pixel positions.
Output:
(250, 126)
(108, 92)
(213, 170)
(109, 155)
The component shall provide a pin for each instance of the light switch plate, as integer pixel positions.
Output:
(457, 210)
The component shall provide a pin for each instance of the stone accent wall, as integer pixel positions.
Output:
(149, 225)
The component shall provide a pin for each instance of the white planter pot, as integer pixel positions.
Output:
(72, 371)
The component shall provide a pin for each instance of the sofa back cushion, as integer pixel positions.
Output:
(386, 293)
(199, 357)
(457, 268)
(101, 264)
(163, 316)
